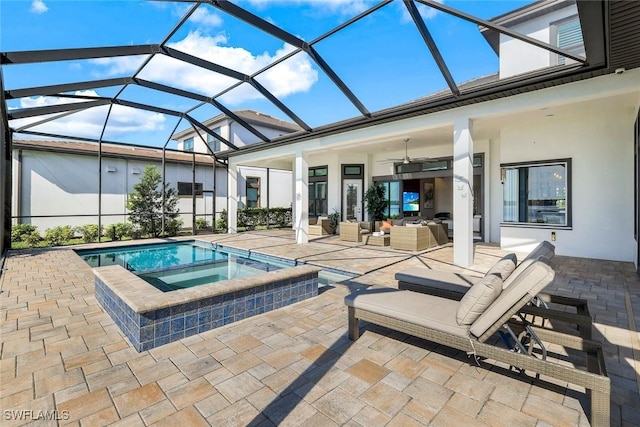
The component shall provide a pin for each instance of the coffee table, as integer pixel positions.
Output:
(378, 240)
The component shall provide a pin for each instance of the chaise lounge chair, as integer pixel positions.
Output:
(484, 310)
(454, 286)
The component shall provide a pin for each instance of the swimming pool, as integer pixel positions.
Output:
(204, 296)
(173, 266)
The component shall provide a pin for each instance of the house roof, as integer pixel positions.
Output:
(110, 150)
(251, 116)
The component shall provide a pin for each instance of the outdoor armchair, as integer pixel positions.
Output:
(320, 226)
(353, 231)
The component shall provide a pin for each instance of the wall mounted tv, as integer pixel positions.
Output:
(410, 201)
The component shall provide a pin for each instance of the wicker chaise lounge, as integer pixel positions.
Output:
(485, 309)
(454, 286)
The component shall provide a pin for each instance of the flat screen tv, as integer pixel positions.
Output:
(410, 201)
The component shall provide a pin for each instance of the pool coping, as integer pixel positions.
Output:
(143, 297)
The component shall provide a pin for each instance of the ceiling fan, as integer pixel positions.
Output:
(406, 160)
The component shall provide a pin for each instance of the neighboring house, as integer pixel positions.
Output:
(554, 161)
(57, 182)
(252, 181)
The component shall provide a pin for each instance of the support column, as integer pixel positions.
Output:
(462, 192)
(232, 198)
(301, 202)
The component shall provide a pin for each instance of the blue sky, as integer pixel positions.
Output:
(382, 57)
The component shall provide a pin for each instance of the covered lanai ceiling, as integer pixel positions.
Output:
(326, 66)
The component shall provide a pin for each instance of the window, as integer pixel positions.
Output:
(253, 192)
(184, 189)
(568, 36)
(187, 145)
(537, 193)
(318, 205)
(392, 195)
(213, 142)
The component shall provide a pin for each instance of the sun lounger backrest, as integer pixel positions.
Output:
(544, 249)
(528, 280)
(504, 267)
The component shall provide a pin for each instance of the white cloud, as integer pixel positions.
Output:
(204, 16)
(89, 123)
(426, 12)
(38, 6)
(292, 76)
(343, 7)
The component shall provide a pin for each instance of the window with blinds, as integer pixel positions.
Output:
(569, 37)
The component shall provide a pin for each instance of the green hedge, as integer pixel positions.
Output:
(251, 218)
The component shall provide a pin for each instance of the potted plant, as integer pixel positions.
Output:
(376, 203)
(334, 219)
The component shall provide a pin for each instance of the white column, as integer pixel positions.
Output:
(232, 193)
(462, 192)
(301, 195)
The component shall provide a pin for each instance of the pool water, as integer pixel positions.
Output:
(180, 265)
(173, 266)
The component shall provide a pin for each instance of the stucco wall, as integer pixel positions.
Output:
(602, 203)
(518, 57)
(64, 184)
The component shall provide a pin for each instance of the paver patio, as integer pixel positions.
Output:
(61, 352)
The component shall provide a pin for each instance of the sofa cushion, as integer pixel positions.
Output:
(410, 224)
(504, 267)
(478, 299)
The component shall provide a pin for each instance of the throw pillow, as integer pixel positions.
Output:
(478, 299)
(504, 267)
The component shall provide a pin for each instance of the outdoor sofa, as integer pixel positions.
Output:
(485, 309)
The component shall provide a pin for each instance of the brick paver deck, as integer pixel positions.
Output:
(60, 352)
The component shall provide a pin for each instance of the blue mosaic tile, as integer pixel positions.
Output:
(159, 327)
(191, 321)
(162, 328)
(147, 333)
(177, 324)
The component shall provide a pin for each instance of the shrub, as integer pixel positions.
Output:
(32, 239)
(124, 230)
(119, 231)
(20, 231)
(221, 223)
(89, 232)
(58, 236)
(201, 223)
(172, 227)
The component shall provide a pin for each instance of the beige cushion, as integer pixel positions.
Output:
(479, 297)
(529, 278)
(544, 249)
(504, 267)
(410, 225)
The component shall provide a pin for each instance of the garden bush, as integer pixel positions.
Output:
(20, 231)
(201, 223)
(58, 236)
(88, 232)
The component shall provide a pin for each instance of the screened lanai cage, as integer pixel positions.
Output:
(91, 95)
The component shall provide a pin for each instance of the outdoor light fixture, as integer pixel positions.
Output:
(135, 171)
(111, 168)
(503, 175)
